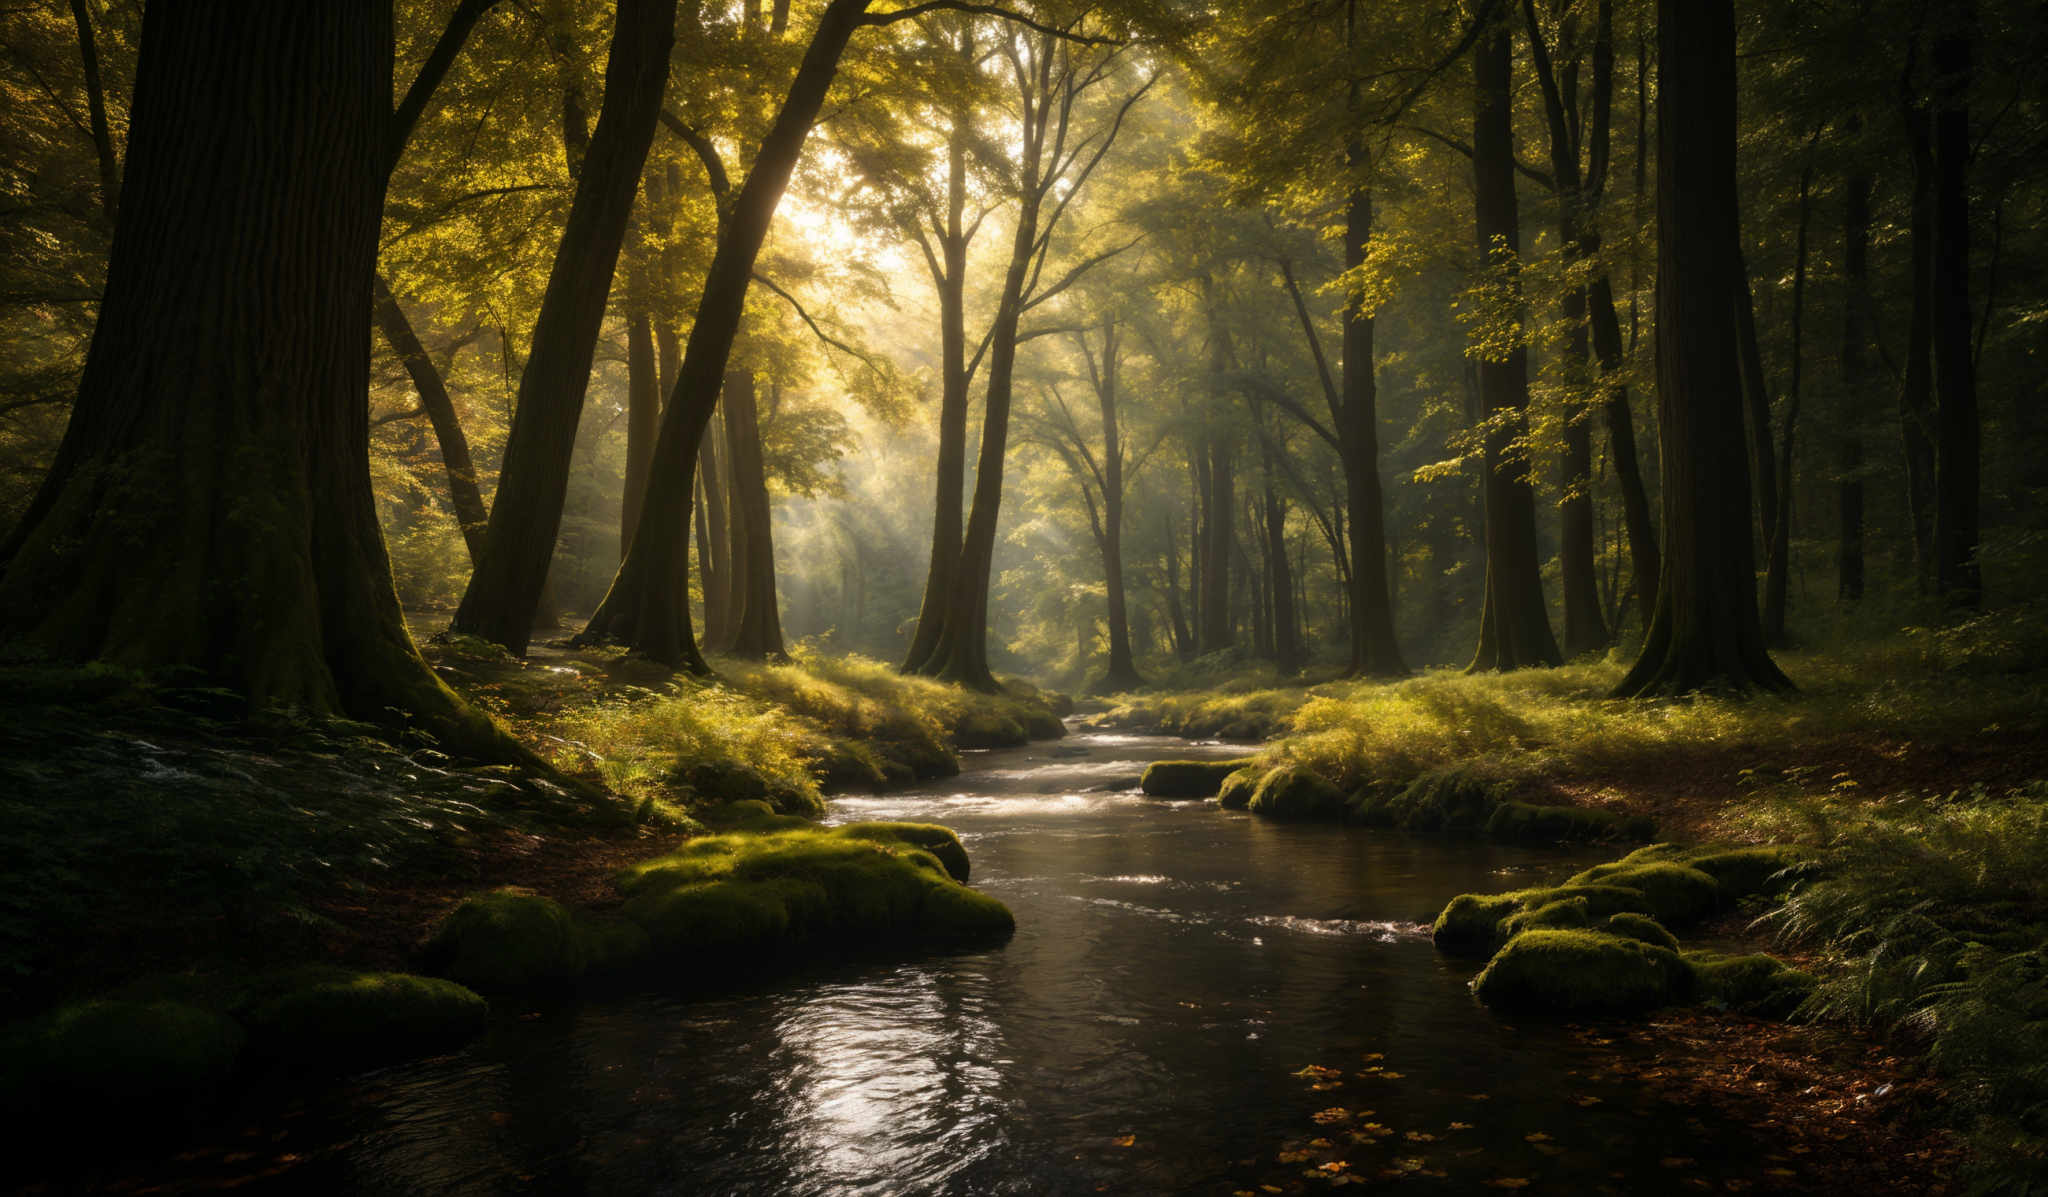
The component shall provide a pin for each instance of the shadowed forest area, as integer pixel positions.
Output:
(926, 596)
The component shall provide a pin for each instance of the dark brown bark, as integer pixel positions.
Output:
(1214, 633)
(96, 114)
(1374, 651)
(209, 509)
(1705, 633)
(1514, 623)
(1855, 347)
(1956, 448)
(716, 549)
(1916, 385)
(1286, 625)
(526, 512)
(463, 492)
(1122, 671)
(949, 278)
(1779, 565)
(756, 615)
(643, 411)
(1183, 639)
(647, 607)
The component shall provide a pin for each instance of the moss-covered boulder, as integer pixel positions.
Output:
(1766, 869)
(159, 1060)
(939, 841)
(1291, 792)
(748, 814)
(508, 940)
(1188, 779)
(1470, 924)
(1238, 788)
(1565, 912)
(982, 728)
(1580, 971)
(341, 1017)
(1677, 894)
(1459, 800)
(1523, 822)
(760, 895)
(1641, 927)
(1757, 984)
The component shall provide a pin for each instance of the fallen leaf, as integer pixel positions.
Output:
(1509, 1182)
(1536, 1137)
(1126, 1140)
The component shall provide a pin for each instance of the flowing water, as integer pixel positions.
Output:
(1178, 975)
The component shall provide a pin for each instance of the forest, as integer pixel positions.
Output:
(1028, 596)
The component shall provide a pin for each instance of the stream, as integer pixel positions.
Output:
(1176, 972)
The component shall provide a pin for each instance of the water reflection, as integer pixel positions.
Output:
(1174, 968)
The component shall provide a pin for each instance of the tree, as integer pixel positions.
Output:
(526, 512)
(1514, 625)
(1956, 448)
(1705, 633)
(209, 510)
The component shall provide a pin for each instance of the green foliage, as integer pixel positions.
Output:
(1578, 971)
(1238, 788)
(1189, 779)
(1756, 984)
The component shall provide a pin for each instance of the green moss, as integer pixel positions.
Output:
(1565, 912)
(1743, 872)
(1642, 928)
(1238, 788)
(1471, 923)
(937, 840)
(1573, 971)
(749, 814)
(1757, 984)
(980, 727)
(340, 1016)
(1524, 822)
(130, 1054)
(507, 940)
(759, 895)
(1676, 893)
(1289, 792)
(1188, 779)
(1460, 800)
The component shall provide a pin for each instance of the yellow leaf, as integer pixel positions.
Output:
(1126, 1140)
(1536, 1137)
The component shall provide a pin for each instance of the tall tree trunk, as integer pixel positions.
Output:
(463, 492)
(1855, 345)
(1183, 640)
(1779, 565)
(209, 508)
(1514, 624)
(948, 525)
(526, 512)
(1956, 448)
(1122, 673)
(757, 620)
(1705, 633)
(717, 539)
(1585, 627)
(1214, 632)
(1286, 625)
(1374, 652)
(646, 609)
(1916, 386)
(643, 412)
(1756, 406)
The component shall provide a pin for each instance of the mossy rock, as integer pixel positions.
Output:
(981, 728)
(1676, 893)
(1579, 971)
(1642, 928)
(1470, 924)
(1757, 984)
(1291, 792)
(1188, 779)
(750, 814)
(336, 1016)
(1745, 872)
(1040, 723)
(1523, 822)
(1238, 788)
(718, 916)
(939, 841)
(1602, 899)
(154, 1060)
(507, 940)
(1565, 912)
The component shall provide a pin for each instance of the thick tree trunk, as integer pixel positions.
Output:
(1956, 447)
(1645, 562)
(1374, 652)
(1122, 673)
(717, 539)
(1585, 627)
(463, 492)
(526, 511)
(757, 619)
(210, 509)
(643, 412)
(647, 607)
(1286, 625)
(1514, 624)
(1705, 633)
(1855, 346)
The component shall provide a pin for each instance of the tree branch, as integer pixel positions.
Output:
(432, 71)
(707, 153)
(986, 10)
(820, 333)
